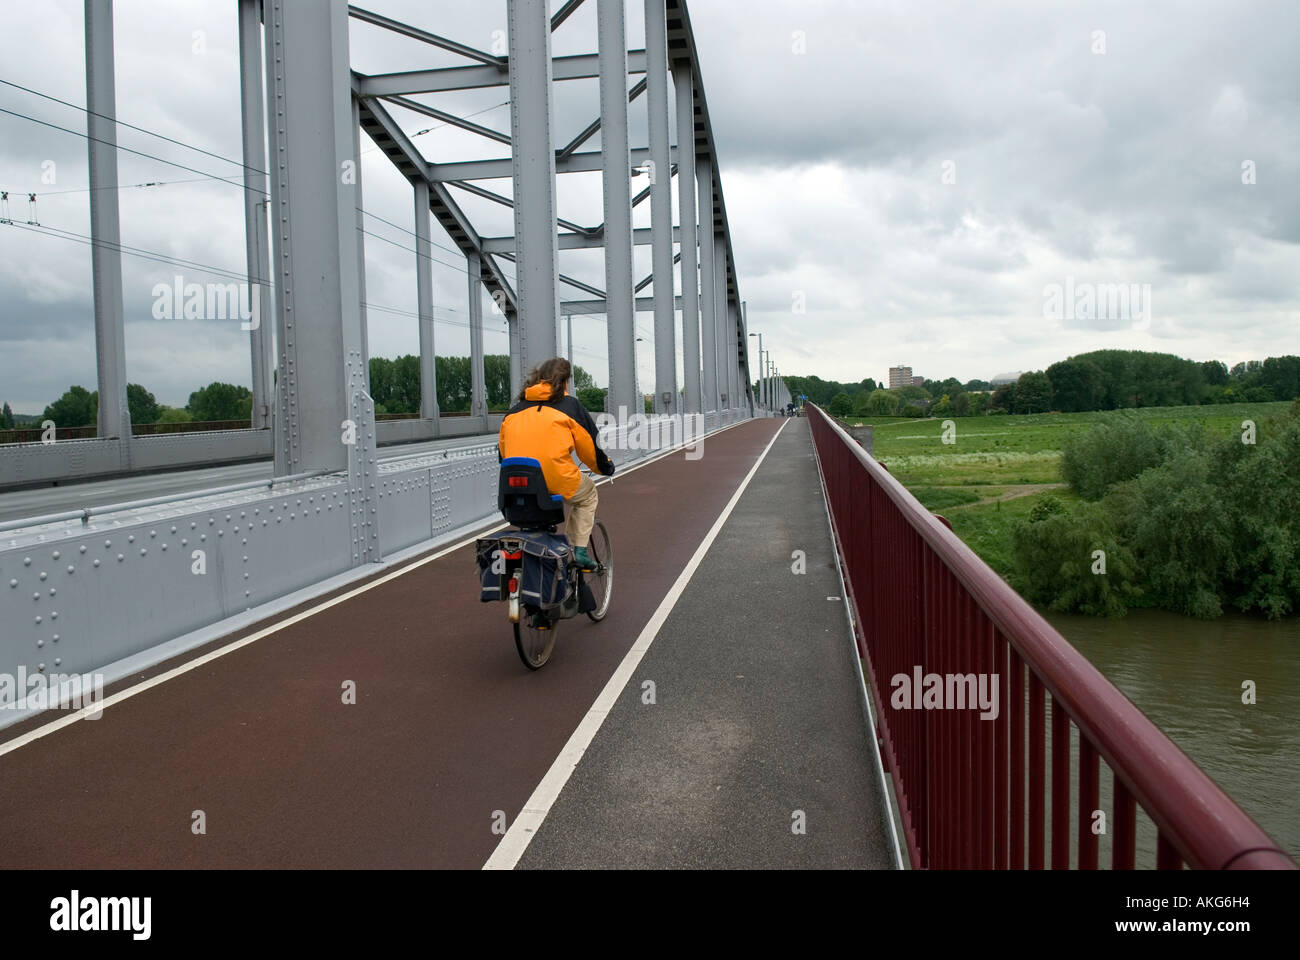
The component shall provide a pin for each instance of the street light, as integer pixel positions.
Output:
(762, 380)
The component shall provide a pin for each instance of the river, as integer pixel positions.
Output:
(1187, 676)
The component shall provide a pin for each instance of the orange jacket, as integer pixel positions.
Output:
(549, 429)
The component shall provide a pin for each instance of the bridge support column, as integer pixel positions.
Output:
(325, 419)
(105, 257)
(719, 293)
(533, 159)
(734, 390)
(616, 182)
(661, 207)
(478, 406)
(708, 297)
(424, 307)
(261, 346)
(746, 381)
(683, 84)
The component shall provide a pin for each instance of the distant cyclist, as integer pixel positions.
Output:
(548, 425)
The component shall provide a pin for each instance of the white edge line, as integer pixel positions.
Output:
(863, 693)
(96, 710)
(521, 832)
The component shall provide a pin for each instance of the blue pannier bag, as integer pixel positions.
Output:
(546, 555)
(542, 579)
(493, 581)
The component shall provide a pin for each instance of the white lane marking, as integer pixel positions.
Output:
(96, 709)
(521, 832)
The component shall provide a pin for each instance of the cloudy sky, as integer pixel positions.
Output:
(917, 175)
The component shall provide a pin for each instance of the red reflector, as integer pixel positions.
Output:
(514, 556)
(514, 585)
(518, 481)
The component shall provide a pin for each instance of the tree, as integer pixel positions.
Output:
(173, 415)
(581, 379)
(1004, 398)
(221, 401)
(868, 386)
(882, 403)
(1077, 385)
(1281, 377)
(1215, 372)
(6, 417)
(78, 407)
(455, 385)
(961, 405)
(144, 408)
(593, 398)
(912, 392)
(1033, 393)
(840, 406)
(976, 385)
(496, 379)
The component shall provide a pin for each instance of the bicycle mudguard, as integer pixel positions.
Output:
(586, 599)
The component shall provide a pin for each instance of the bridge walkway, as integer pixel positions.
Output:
(450, 737)
(755, 752)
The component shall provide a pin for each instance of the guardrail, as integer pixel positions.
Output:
(924, 603)
(34, 434)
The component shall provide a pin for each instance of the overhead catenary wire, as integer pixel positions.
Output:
(207, 269)
(131, 126)
(118, 146)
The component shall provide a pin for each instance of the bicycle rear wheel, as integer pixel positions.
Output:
(602, 578)
(535, 638)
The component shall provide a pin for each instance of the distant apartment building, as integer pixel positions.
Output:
(918, 381)
(900, 377)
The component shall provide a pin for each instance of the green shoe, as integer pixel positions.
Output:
(584, 560)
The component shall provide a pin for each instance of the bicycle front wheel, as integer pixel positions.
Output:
(534, 638)
(602, 578)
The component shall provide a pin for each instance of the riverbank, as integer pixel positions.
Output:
(997, 468)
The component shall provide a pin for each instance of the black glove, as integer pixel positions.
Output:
(606, 465)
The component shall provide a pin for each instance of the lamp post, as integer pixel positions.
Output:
(762, 398)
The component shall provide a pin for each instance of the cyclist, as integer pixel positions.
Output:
(548, 424)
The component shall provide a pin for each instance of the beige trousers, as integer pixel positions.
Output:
(582, 513)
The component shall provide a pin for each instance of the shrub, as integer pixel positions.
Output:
(1114, 450)
(1056, 563)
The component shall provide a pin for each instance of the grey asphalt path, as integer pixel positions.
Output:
(757, 714)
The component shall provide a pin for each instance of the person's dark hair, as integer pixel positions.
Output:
(555, 371)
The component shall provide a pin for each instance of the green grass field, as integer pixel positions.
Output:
(998, 467)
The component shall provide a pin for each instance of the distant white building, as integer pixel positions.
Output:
(1002, 378)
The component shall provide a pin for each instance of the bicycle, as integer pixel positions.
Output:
(549, 586)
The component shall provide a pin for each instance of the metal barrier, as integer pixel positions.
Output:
(925, 604)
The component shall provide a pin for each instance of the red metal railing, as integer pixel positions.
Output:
(972, 791)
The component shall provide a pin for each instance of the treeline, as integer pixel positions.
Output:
(1100, 380)
(1176, 517)
(1114, 379)
(395, 384)
(79, 407)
